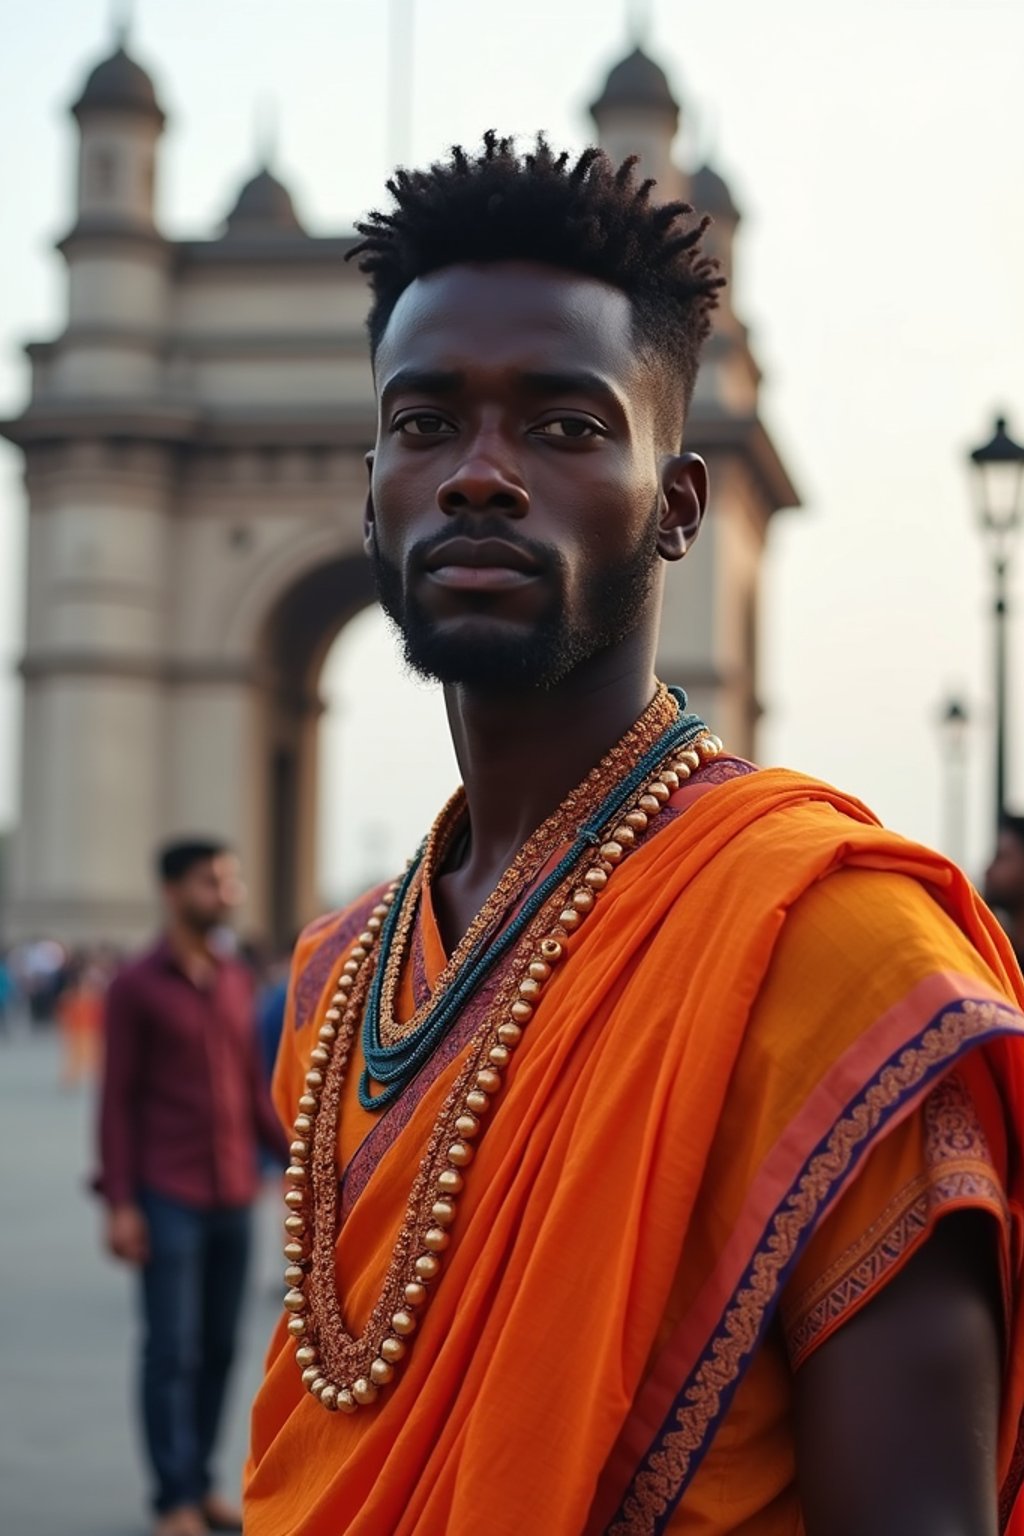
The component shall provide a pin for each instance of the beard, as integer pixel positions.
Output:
(613, 600)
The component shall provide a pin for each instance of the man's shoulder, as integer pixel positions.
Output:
(137, 971)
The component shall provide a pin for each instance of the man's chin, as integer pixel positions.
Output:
(466, 657)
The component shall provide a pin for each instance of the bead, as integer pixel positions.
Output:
(294, 1274)
(350, 968)
(374, 923)
(510, 1035)
(293, 1252)
(381, 909)
(357, 953)
(320, 1055)
(365, 939)
(305, 1355)
(611, 851)
(297, 1326)
(529, 988)
(670, 777)
(682, 771)
(569, 919)
(521, 1010)
(659, 792)
(381, 1373)
(415, 1293)
(551, 950)
(443, 1211)
(449, 1181)
(303, 1123)
(500, 1055)
(427, 1266)
(624, 835)
(582, 899)
(460, 1153)
(332, 1015)
(467, 1125)
(488, 1081)
(329, 1397)
(327, 1030)
(364, 1391)
(689, 758)
(478, 1102)
(638, 820)
(299, 1151)
(436, 1239)
(310, 1375)
(649, 805)
(318, 1385)
(596, 879)
(346, 1403)
(713, 745)
(294, 1300)
(392, 1349)
(295, 1199)
(295, 1225)
(345, 984)
(307, 1104)
(296, 1173)
(314, 1079)
(403, 1323)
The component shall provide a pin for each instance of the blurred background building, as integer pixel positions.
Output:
(193, 448)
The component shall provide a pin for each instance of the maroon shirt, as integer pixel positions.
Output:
(185, 1103)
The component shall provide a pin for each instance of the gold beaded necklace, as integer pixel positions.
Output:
(347, 1372)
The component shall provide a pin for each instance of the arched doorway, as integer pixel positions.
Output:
(297, 637)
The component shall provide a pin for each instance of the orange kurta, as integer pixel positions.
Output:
(733, 1072)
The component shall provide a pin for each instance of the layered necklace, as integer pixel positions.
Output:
(599, 824)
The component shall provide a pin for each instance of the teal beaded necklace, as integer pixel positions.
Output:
(393, 1067)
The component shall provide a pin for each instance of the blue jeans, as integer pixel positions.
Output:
(192, 1289)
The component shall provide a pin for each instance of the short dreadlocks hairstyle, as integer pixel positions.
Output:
(587, 217)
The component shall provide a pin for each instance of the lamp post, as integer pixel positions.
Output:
(999, 491)
(955, 723)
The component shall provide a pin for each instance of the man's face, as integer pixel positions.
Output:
(207, 894)
(516, 486)
(1004, 878)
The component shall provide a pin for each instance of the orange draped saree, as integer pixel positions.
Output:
(775, 1008)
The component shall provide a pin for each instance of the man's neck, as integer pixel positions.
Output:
(191, 948)
(520, 756)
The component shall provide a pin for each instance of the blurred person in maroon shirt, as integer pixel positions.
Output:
(184, 1110)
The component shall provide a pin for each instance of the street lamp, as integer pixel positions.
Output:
(955, 724)
(999, 491)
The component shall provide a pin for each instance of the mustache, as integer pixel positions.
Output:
(547, 557)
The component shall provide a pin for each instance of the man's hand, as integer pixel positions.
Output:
(127, 1234)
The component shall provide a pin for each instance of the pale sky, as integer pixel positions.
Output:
(877, 153)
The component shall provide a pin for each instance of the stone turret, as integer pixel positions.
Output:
(637, 114)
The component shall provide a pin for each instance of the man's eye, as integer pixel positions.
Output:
(422, 424)
(575, 427)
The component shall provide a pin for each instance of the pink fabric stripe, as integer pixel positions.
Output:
(858, 1064)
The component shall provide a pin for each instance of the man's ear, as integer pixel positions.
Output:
(369, 518)
(684, 499)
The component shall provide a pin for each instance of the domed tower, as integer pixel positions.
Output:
(264, 206)
(710, 625)
(117, 259)
(637, 114)
(120, 123)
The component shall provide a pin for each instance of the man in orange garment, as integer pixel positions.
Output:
(656, 1158)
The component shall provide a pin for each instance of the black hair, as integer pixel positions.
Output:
(587, 217)
(175, 859)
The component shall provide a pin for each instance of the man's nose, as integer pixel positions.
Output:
(483, 483)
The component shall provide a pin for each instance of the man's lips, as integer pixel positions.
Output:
(480, 565)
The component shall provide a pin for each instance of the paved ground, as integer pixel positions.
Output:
(69, 1464)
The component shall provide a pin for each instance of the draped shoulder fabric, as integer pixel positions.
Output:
(784, 1044)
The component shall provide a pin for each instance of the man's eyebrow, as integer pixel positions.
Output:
(422, 381)
(569, 382)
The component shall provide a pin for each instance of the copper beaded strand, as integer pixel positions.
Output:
(477, 1087)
